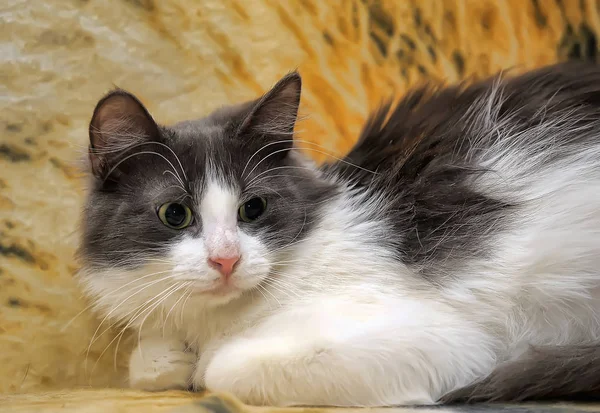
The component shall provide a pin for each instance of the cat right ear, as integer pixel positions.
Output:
(273, 117)
(120, 121)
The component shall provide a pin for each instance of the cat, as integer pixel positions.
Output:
(452, 255)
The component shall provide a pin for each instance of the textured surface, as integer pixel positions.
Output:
(92, 401)
(184, 58)
(129, 401)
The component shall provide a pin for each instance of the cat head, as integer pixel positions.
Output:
(202, 209)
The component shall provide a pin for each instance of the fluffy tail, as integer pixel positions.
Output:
(545, 373)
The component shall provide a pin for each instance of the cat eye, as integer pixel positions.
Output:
(252, 209)
(174, 215)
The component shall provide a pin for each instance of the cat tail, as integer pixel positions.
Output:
(565, 373)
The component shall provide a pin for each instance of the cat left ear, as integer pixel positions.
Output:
(120, 121)
(273, 117)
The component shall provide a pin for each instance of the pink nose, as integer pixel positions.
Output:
(224, 265)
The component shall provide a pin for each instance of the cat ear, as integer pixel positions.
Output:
(120, 121)
(273, 117)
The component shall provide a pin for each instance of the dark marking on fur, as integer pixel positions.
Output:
(14, 250)
(441, 219)
(328, 39)
(147, 5)
(65, 169)
(47, 126)
(423, 148)
(451, 19)
(354, 16)
(570, 373)
(409, 41)
(13, 153)
(432, 53)
(579, 45)
(406, 58)
(486, 21)
(568, 43)
(14, 302)
(13, 127)
(381, 19)
(72, 38)
(575, 51)
(459, 62)
(589, 43)
(379, 43)
(429, 32)
(417, 17)
(561, 7)
(310, 7)
(540, 19)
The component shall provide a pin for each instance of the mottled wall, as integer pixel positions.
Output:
(184, 58)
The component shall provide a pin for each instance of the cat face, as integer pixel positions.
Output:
(201, 210)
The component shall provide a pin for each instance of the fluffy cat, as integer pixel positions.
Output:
(453, 254)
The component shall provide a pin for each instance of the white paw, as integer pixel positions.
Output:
(255, 371)
(284, 372)
(161, 364)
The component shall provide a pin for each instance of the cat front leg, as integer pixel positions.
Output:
(161, 363)
(399, 352)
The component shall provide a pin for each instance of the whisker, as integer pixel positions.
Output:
(281, 288)
(270, 293)
(66, 326)
(181, 313)
(326, 152)
(267, 189)
(260, 149)
(120, 335)
(187, 284)
(130, 147)
(144, 153)
(143, 287)
(277, 168)
(165, 297)
(259, 288)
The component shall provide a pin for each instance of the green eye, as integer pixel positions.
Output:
(252, 209)
(174, 215)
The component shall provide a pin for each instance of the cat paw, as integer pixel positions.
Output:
(284, 372)
(249, 369)
(161, 364)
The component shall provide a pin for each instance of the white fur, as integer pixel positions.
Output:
(161, 364)
(218, 210)
(344, 323)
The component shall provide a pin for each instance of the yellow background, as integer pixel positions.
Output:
(184, 58)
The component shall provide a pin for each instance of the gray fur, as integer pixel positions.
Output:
(544, 373)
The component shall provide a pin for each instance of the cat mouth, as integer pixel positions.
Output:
(218, 291)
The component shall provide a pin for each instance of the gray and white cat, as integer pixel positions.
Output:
(453, 254)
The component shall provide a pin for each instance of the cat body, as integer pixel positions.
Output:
(460, 232)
